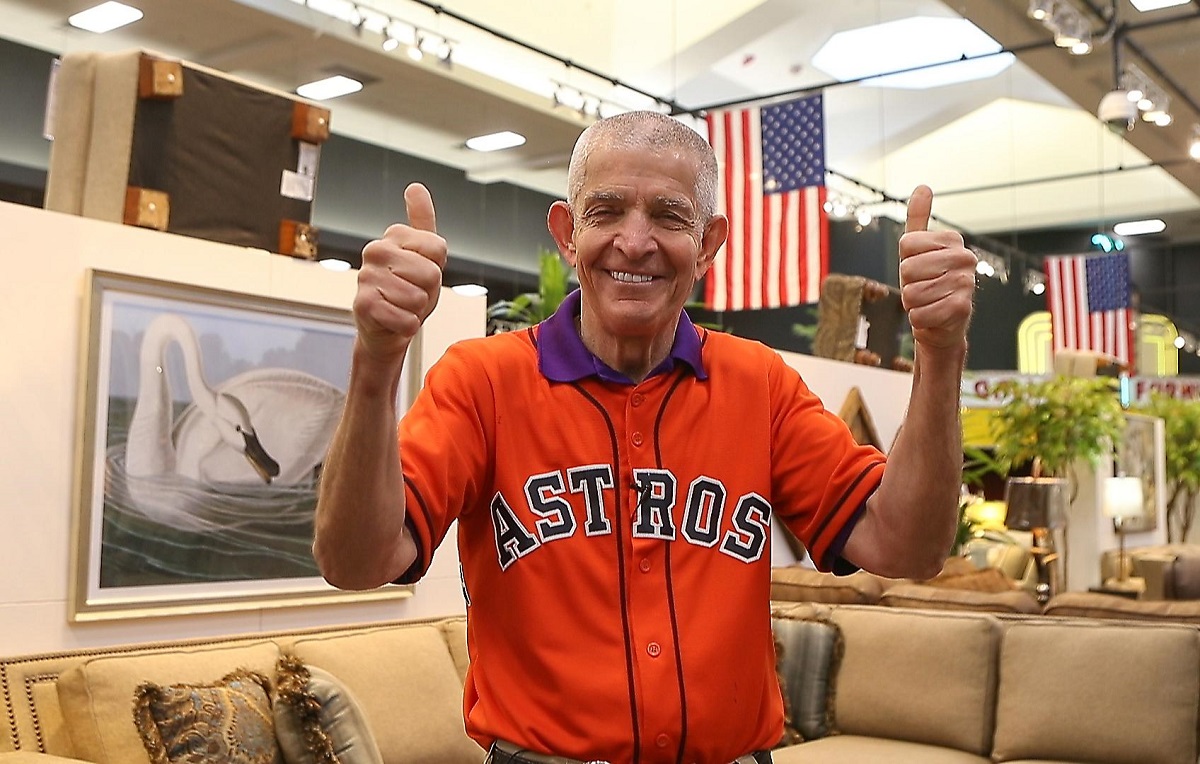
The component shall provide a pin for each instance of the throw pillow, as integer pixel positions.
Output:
(228, 721)
(807, 656)
(317, 719)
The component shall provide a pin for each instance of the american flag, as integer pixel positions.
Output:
(1089, 301)
(771, 186)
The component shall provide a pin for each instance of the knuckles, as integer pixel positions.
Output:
(400, 238)
(918, 242)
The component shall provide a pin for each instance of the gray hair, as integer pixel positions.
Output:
(647, 130)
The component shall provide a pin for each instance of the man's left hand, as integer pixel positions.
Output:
(937, 278)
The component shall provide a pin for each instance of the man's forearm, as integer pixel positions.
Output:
(360, 540)
(911, 519)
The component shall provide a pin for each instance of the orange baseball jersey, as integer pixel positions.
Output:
(615, 537)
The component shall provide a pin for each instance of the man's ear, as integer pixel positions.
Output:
(561, 223)
(715, 233)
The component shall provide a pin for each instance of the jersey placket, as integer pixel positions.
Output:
(650, 502)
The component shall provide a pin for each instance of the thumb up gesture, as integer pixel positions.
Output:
(937, 278)
(400, 279)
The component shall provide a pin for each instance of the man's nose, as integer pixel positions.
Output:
(635, 238)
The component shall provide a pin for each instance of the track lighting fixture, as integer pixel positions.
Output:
(1070, 27)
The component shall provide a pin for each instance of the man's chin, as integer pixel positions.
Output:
(638, 322)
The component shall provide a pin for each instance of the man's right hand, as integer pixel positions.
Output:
(400, 280)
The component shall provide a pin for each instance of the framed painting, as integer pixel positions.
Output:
(204, 420)
(1139, 454)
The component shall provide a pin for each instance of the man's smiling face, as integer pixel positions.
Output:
(639, 242)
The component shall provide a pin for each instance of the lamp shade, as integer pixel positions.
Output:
(1035, 503)
(1123, 497)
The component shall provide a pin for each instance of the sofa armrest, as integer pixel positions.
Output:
(929, 597)
(797, 583)
(28, 757)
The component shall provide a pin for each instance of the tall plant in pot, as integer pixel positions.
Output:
(1050, 425)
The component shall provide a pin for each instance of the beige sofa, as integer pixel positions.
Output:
(939, 687)
(903, 685)
(407, 678)
(977, 590)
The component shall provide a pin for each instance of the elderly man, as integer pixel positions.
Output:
(615, 469)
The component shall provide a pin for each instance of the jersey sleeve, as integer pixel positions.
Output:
(821, 477)
(443, 441)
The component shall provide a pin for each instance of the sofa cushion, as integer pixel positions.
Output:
(950, 598)
(228, 721)
(96, 696)
(808, 654)
(796, 583)
(317, 720)
(455, 632)
(406, 683)
(854, 749)
(1103, 693)
(917, 675)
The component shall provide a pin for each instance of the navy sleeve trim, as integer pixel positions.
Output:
(418, 567)
(833, 560)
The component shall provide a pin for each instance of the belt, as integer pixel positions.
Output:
(502, 752)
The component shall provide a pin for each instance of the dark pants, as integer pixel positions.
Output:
(507, 753)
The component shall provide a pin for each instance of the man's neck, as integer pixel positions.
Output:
(635, 357)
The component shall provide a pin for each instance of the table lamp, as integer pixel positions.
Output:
(1122, 501)
(1039, 505)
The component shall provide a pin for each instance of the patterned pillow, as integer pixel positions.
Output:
(808, 653)
(228, 721)
(317, 719)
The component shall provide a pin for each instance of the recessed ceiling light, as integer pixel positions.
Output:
(330, 87)
(505, 139)
(910, 43)
(105, 17)
(470, 290)
(1154, 5)
(1138, 227)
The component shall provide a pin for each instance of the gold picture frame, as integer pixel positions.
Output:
(204, 417)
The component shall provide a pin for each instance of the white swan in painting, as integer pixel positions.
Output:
(263, 426)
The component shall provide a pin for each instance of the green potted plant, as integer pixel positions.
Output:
(1051, 424)
(1181, 419)
(533, 307)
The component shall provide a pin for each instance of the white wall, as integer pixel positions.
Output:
(884, 394)
(46, 256)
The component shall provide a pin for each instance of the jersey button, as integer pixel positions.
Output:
(644, 565)
(654, 649)
(637, 400)
(662, 741)
(637, 439)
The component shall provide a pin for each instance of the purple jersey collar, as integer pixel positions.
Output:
(562, 356)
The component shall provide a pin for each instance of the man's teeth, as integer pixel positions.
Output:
(631, 278)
